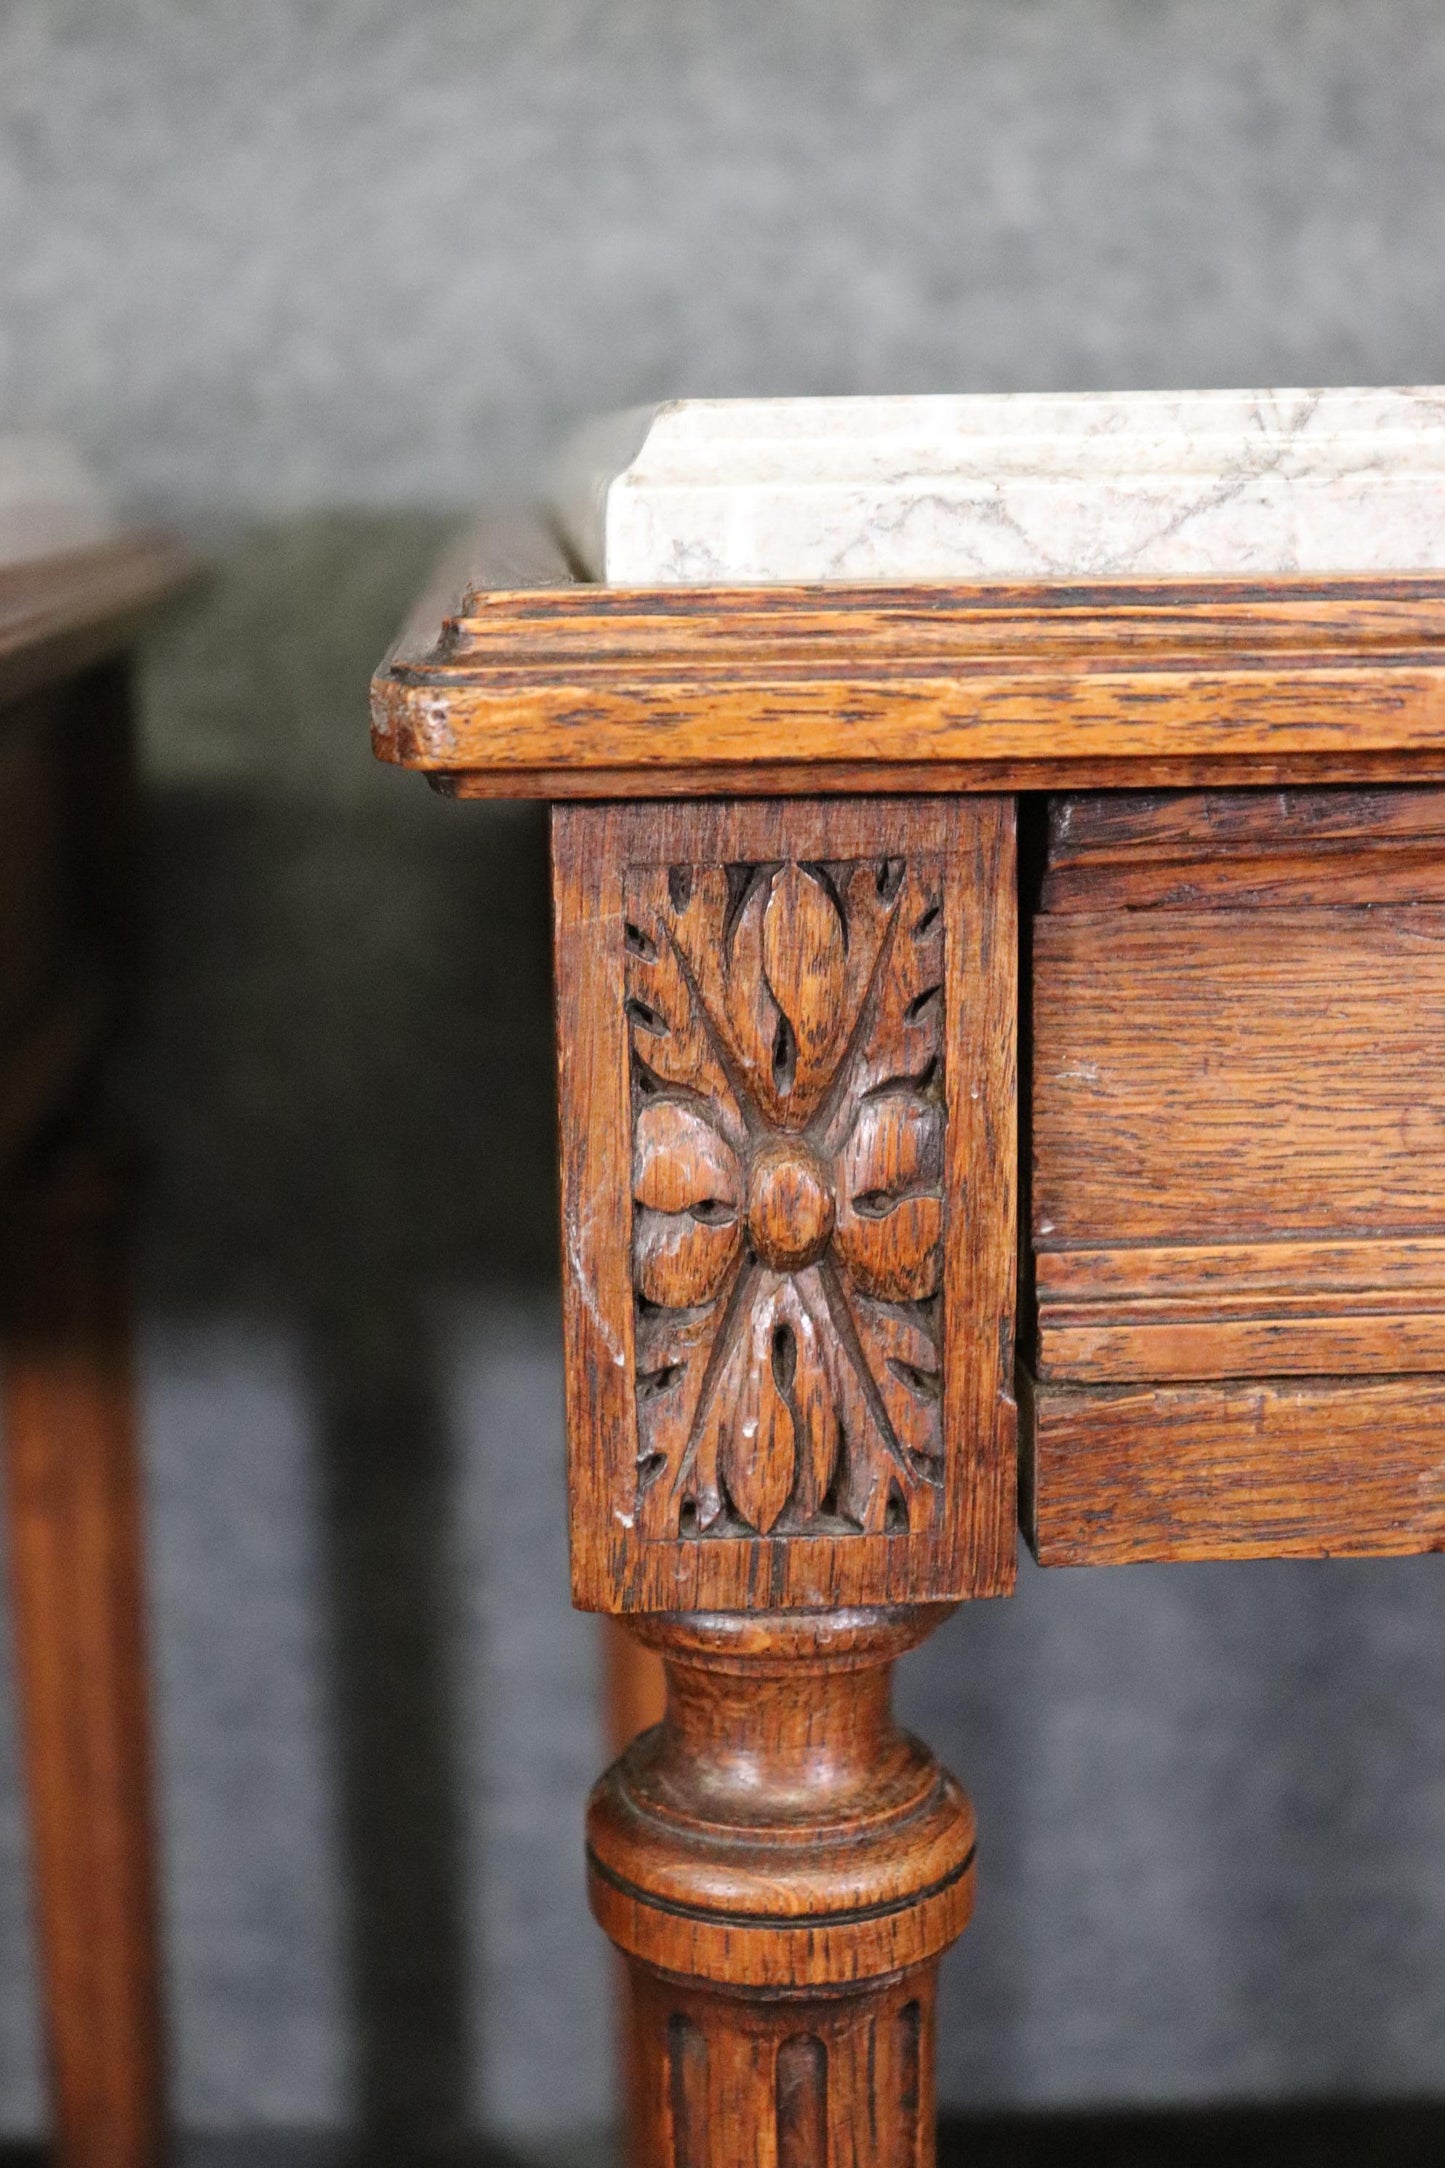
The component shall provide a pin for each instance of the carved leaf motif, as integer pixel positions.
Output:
(687, 1189)
(679, 1261)
(788, 1196)
(903, 1359)
(869, 894)
(890, 1206)
(864, 1462)
(749, 1014)
(680, 1163)
(898, 1258)
(670, 1040)
(715, 931)
(697, 1487)
(758, 1444)
(903, 1035)
(804, 958)
(673, 1347)
(810, 1394)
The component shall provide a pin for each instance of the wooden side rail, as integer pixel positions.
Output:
(1238, 1180)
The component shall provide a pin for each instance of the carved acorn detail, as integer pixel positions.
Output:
(786, 1025)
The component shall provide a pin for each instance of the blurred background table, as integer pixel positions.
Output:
(69, 962)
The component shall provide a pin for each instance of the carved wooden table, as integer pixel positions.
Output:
(824, 860)
(68, 968)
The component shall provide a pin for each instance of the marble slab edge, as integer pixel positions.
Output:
(1001, 487)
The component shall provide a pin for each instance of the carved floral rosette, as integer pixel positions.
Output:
(786, 1031)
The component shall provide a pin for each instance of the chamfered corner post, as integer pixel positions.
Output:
(787, 1051)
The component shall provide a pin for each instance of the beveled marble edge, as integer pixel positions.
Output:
(1008, 486)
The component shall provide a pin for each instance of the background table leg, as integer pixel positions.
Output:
(76, 1579)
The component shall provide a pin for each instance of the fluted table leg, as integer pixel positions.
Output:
(782, 1867)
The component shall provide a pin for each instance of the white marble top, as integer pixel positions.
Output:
(49, 501)
(1089, 485)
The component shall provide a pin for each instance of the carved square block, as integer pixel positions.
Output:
(787, 1079)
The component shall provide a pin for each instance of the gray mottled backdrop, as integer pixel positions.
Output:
(304, 276)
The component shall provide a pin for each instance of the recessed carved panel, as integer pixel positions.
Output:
(786, 1038)
(786, 1024)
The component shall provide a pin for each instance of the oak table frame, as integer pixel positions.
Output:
(827, 863)
(69, 971)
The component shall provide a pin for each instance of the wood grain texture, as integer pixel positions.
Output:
(781, 1866)
(1282, 1468)
(75, 1567)
(765, 1146)
(1238, 1180)
(1231, 1074)
(1241, 1309)
(1240, 827)
(1244, 850)
(951, 686)
(937, 778)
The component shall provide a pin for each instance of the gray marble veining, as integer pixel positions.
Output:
(1041, 486)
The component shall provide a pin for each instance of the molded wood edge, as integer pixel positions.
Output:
(1283, 1468)
(572, 689)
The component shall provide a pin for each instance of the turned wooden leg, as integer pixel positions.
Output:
(76, 1579)
(782, 1867)
(786, 1041)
